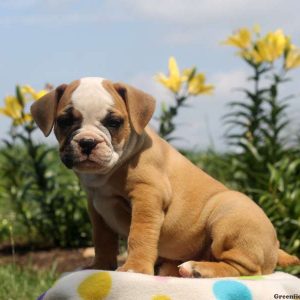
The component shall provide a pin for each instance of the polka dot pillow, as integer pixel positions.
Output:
(102, 285)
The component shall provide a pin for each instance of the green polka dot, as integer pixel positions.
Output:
(255, 277)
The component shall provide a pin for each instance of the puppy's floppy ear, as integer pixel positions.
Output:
(140, 106)
(44, 110)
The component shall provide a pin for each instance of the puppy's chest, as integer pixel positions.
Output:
(115, 211)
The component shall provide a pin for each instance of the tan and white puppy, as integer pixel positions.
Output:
(140, 187)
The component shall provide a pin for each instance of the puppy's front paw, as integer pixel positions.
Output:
(137, 268)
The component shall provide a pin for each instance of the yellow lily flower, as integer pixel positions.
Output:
(261, 53)
(197, 85)
(277, 43)
(27, 89)
(268, 48)
(241, 39)
(26, 118)
(188, 73)
(251, 55)
(175, 79)
(271, 47)
(292, 59)
(289, 46)
(265, 49)
(14, 110)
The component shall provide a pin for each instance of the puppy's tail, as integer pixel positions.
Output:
(285, 259)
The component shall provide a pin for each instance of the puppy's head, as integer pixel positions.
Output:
(93, 121)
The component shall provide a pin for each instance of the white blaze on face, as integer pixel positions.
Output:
(92, 100)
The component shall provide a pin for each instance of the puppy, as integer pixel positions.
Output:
(140, 187)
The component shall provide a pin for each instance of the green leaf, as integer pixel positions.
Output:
(20, 96)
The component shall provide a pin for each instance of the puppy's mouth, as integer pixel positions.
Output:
(85, 158)
(87, 163)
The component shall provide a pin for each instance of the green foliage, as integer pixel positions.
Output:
(49, 205)
(24, 283)
(167, 116)
(256, 128)
(281, 200)
(41, 202)
(4, 229)
(264, 165)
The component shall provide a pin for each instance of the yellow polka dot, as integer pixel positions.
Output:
(95, 287)
(161, 297)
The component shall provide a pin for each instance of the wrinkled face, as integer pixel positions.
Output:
(92, 126)
(95, 121)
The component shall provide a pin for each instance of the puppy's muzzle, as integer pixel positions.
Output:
(87, 145)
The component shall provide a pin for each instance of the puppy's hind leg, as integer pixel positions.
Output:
(231, 263)
(207, 269)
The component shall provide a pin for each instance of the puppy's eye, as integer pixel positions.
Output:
(113, 122)
(64, 121)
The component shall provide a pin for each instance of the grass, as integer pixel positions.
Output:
(24, 283)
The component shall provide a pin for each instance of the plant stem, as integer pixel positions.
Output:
(167, 125)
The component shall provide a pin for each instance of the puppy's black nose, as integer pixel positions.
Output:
(87, 145)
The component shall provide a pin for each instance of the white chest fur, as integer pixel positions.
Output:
(114, 210)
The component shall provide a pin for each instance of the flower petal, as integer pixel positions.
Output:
(173, 68)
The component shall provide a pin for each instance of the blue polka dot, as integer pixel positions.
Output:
(231, 290)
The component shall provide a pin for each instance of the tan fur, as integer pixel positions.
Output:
(44, 111)
(285, 260)
(172, 211)
(140, 106)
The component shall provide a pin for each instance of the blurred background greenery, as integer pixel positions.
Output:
(43, 205)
